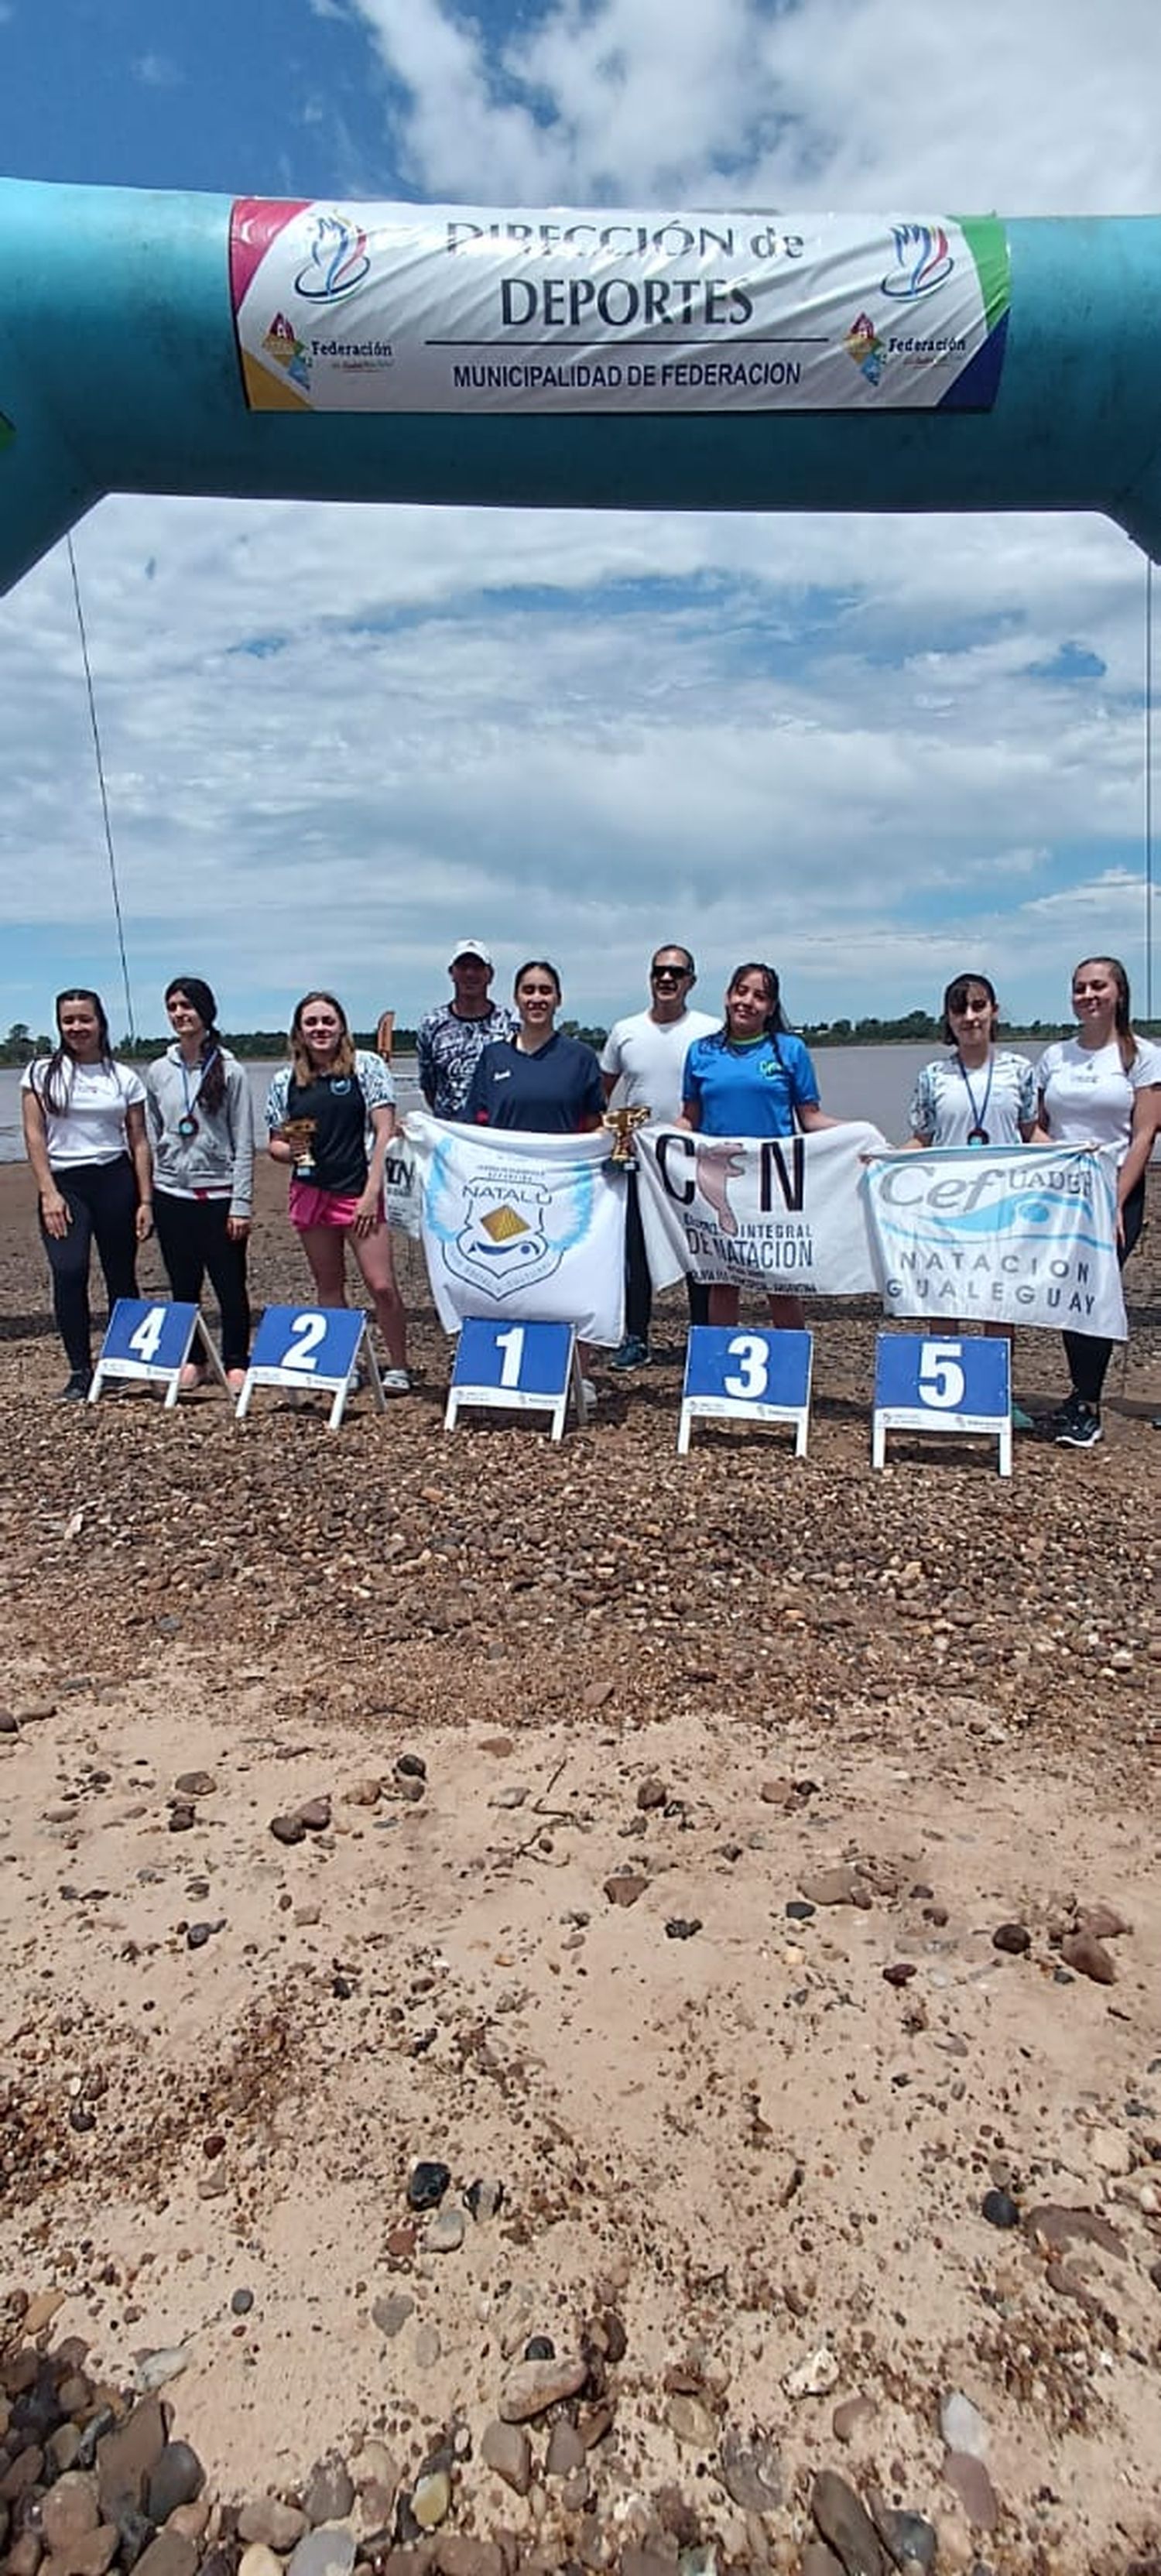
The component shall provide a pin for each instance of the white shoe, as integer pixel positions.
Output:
(395, 1381)
(589, 1398)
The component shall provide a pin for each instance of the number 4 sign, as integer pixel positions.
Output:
(308, 1347)
(922, 1384)
(747, 1376)
(152, 1344)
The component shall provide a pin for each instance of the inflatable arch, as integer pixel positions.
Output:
(689, 360)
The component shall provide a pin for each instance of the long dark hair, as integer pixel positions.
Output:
(955, 999)
(1126, 1037)
(777, 1024)
(56, 1090)
(211, 1090)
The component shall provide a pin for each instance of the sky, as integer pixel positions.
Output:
(339, 739)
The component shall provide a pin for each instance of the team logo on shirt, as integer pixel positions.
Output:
(501, 1233)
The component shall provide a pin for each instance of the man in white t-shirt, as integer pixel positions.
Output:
(642, 1063)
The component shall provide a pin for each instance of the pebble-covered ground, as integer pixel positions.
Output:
(568, 2007)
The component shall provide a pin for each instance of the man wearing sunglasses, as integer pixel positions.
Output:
(642, 1064)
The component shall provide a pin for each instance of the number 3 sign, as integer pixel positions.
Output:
(746, 1376)
(299, 1347)
(922, 1384)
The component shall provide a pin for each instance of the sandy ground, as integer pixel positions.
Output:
(656, 1703)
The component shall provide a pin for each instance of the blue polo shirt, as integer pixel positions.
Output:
(749, 1090)
(550, 1093)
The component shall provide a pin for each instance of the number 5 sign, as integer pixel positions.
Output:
(922, 1384)
(747, 1376)
(308, 1347)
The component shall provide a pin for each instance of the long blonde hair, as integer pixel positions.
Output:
(1123, 1027)
(304, 1070)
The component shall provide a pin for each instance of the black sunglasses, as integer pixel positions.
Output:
(669, 974)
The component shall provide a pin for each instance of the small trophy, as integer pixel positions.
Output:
(622, 1125)
(299, 1134)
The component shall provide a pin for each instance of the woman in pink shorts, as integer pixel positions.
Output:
(348, 1098)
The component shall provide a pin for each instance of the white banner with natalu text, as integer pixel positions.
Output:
(783, 1213)
(1023, 1235)
(517, 1225)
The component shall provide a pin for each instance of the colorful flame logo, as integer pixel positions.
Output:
(338, 260)
(922, 260)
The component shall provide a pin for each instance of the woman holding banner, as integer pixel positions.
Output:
(540, 1081)
(753, 1077)
(1101, 1087)
(319, 1110)
(979, 1095)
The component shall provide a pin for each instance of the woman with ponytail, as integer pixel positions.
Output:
(752, 1078)
(202, 1123)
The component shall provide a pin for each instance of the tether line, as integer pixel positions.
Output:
(109, 851)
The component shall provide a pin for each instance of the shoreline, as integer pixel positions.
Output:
(709, 1685)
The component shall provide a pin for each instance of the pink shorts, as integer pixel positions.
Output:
(309, 1206)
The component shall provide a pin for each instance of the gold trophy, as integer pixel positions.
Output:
(299, 1134)
(622, 1125)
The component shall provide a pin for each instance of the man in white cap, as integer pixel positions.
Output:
(452, 1038)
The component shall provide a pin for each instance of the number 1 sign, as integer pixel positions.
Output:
(922, 1384)
(524, 1367)
(152, 1342)
(308, 1347)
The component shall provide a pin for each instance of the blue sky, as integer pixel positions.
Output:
(339, 740)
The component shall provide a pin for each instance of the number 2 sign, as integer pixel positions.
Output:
(925, 1384)
(308, 1346)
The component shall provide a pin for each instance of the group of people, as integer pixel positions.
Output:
(116, 1153)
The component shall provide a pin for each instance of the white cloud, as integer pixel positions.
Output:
(335, 740)
(157, 71)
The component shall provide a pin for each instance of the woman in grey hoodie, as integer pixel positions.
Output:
(201, 1122)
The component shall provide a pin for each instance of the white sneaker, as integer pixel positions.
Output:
(589, 1398)
(395, 1381)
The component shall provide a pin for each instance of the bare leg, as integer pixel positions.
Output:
(787, 1314)
(723, 1305)
(376, 1261)
(323, 1246)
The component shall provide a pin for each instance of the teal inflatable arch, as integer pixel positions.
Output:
(189, 344)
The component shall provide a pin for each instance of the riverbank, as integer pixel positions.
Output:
(642, 1706)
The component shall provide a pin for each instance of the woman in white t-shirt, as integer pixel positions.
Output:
(978, 1095)
(84, 1135)
(1102, 1087)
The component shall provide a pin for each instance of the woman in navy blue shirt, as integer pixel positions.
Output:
(541, 1081)
(752, 1078)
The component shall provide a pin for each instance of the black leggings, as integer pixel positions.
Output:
(192, 1238)
(1088, 1358)
(102, 1203)
(638, 1283)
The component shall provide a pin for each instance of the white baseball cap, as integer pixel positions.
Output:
(470, 948)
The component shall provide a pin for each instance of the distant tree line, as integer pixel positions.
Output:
(915, 1028)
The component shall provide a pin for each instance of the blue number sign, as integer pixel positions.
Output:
(312, 1347)
(152, 1342)
(926, 1384)
(744, 1376)
(526, 1367)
